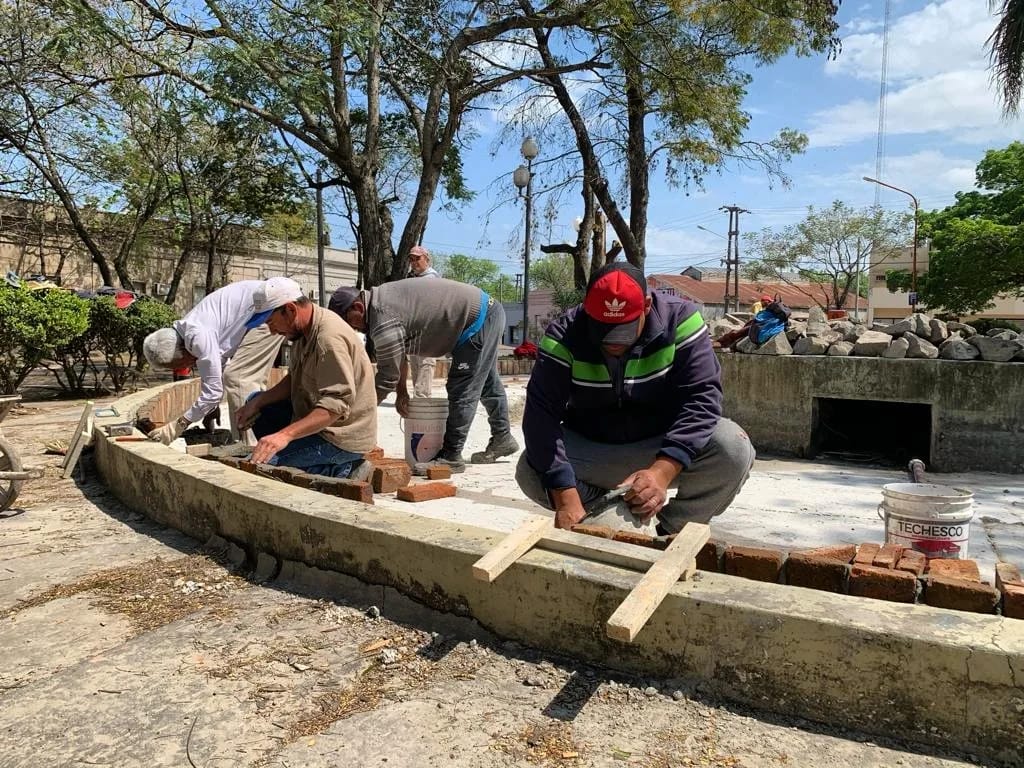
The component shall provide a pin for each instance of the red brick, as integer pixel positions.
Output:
(426, 491)
(389, 479)
(439, 473)
(287, 474)
(640, 539)
(247, 466)
(304, 480)
(1007, 573)
(1013, 601)
(376, 453)
(601, 531)
(911, 565)
(882, 584)
(754, 563)
(960, 595)
(888, 556)
(806, 570)
(710, 557)
(954, 569)
(231, 461)
(354, 490)
(866, 554)
(1011, 585)
(844, 553)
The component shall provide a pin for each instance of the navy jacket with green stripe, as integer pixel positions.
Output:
(668, 384)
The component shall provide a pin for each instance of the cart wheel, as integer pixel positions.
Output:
(9, 462)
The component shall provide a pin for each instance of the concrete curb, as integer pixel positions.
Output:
(909, 671)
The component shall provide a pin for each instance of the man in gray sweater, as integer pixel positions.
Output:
(435, 318)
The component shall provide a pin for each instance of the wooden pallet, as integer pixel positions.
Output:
(661, 569)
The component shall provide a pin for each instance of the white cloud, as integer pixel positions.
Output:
(958, 103)
(939, 38)
(858, 26)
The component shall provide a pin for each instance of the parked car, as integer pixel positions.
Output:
(526, 350)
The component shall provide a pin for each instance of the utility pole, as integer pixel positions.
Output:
(732, 254)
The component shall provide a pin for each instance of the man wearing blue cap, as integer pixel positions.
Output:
(322, 416)
(210, 335)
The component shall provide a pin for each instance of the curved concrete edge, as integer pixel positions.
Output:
(913, 672)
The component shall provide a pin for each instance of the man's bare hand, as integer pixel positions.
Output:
(246, 415)
(268, 447)
(567, 518)
(568, 507)
(650, 487)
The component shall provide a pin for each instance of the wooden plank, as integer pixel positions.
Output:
(511, 548)
(78, 441)
(618, 553)
(679, 559)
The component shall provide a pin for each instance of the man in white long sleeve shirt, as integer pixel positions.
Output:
(206, 338)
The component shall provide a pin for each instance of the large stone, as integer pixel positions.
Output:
(898, 349)
(797, 330)
(966, 330)
(922, 325)
(723, 325)
(841, 349)
(1006, 334)
(1000, 332)
(841, 326)
(920, 348)
(811, 345)
(855, 332)
(817, 323)
(938, 331)
(994, 349)
(906, 325)
(776, 345)
(1019, 356)
(746, 346)
(956, 348)
(872, 344)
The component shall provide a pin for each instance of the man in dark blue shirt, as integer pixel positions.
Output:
(627, 391)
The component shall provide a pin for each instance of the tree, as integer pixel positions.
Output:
(1006, 53)
(667, 88)
(828, 250)
(373, 92)
(467, 269)
(976, 245)
(555, 273)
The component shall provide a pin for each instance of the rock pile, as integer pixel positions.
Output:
(918, 337)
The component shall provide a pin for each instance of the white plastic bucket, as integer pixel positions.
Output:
(424, 428)
(935, 520)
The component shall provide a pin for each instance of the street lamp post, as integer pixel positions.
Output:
(522, 177)
(913, 248)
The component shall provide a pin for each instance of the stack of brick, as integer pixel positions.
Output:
(878, 571)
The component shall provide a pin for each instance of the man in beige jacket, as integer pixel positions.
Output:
(322, 417)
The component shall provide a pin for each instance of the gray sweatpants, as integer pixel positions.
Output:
(473, 378)
(703, 490)
(248, 370)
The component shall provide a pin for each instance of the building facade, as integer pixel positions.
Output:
(37, 239)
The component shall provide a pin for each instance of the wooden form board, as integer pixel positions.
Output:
(679, 560)
(78, 440)
(661, 569)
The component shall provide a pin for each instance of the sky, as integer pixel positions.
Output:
(942, 115)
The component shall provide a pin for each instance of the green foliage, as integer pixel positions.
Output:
(115, 336)
(555, 273)
(827, 250)
(467, 269)
(977, 244)
(33, 324)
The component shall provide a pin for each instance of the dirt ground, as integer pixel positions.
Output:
(128, 644)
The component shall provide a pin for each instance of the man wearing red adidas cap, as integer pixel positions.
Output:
(627, 391)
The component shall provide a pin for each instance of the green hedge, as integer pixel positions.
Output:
(87, 344)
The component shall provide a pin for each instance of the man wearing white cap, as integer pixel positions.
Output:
(422, 367)
(321, 417)
(210, 334)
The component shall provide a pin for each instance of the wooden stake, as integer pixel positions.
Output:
(78, 441)
(511, 548)
(678, 560)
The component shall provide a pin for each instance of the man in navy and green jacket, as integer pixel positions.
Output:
(627, 391)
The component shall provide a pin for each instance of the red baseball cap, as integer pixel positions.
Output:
(615, 302)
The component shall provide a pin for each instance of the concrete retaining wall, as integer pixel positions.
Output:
(909, 671)
(977, 408)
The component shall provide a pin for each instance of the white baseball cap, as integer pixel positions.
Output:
(274, 293)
